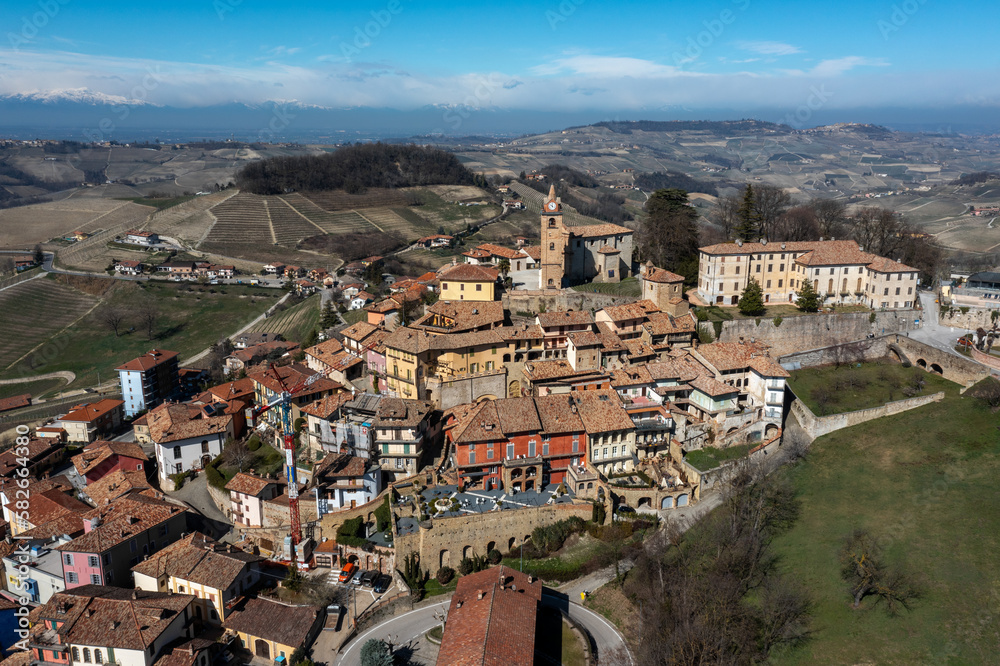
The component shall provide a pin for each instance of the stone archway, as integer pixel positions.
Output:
(491, 546)
(514, 389)
(682, 500)
(667, 503)
(467, 552)
(936, 369)
(770, 431)
(645, 502)
(510, 543)
(921, 363)
(444, 558)
(261, 648)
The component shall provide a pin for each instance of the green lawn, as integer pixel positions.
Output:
(37, 389)
(627, 287)
(354, 316)
(833, 390)
(784, 310)
(191, 319)
(295, 322)
(925, 481)
(710, 458)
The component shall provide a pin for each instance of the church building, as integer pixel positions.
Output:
(576, 255)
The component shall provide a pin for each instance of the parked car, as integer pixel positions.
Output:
(382, 583)
(333, 613)
(357, 577)
(349, 570)
(368, 579)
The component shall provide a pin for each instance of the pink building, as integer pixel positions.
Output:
(247, 494)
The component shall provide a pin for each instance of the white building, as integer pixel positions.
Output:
(148, 380)
(35, 569)
(186, 437)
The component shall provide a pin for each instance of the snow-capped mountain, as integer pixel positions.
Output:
(74, 96)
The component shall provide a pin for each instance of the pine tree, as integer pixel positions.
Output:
(808, 299)
(752, 299)
(329, 317)
(748, 223)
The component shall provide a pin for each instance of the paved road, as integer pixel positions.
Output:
(194, 493)
(931, 332)
(408, 628)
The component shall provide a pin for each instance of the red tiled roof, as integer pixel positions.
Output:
(97, 452)
(15, 402)
(272, 621)
(499, 251)
(598, 230)
(248, 484)
(93, 411)
(150, 359)
(661, 275)
(468, 273)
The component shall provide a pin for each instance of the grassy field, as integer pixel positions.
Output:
(191, 319)
(925, 482)
(627, 287)
(710, 458)
(159, 204)
(354, 316)
(293, 323)
(833, 390)
(37, 389)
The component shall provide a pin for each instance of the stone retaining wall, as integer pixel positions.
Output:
(816, 426)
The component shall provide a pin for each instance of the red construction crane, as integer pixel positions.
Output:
(283, 401)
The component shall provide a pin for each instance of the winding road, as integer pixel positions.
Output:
(409, 627)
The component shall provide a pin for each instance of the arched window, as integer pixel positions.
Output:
(552, 223)
(552, 246)
(76, 654)
(98, 658)
(86, 655)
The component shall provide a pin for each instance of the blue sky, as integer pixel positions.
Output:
(546, 56)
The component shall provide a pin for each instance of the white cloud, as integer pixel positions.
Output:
(769, 48)
(609, 66)
(838, 66)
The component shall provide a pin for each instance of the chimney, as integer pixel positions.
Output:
(480, 595)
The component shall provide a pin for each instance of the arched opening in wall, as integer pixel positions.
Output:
(667, 503)
(530, 473)
(921, 363)
(466, 552)
(515, 473)
(506, 359)
(894, 355)
(936, 369)
(731, 431)
(645, 502)
(529, 485)
(205, 460)
(444, 559)
(552, 223)
(261, 648)
(770, 431)
(352, 558)
(590, 485)
(491, 546)
(517, 486)
(551, 282)
(527, 538)
(682, 500)
(510, 543)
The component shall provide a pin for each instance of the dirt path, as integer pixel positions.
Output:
(62, 374)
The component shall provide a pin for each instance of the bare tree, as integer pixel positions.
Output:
(796, 224)
(830, 214)
(6, 265)
(770, 202)
(867, 573)
(727, 209)
(879, 231)
(112, 315)
(148, 313)
(237, 454)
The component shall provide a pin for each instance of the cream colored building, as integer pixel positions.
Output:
(841, 272)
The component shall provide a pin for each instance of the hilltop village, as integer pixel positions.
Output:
(275, 514)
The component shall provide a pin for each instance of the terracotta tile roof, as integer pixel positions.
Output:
(598, 230)
(518, 415)
(249, 484)
(39, 449)
(724, 356)
(602, 411)
(149, 360)
(15, 402)
(533, 251)
(52, 504)
(629, 311)
(661, 323)
(93, 411)
(416, 342)
(261, 618)
(327, 406)
(712, 387)
(558, 414)
(121, 520)
(172, 422)
(499, 251)
(97, 452)
(883, 265)
(359, 331)
(241, 388)
(767, 367)
(340, 466)
(468, 273)
(521, 332)
(293, 375)
(607, 249)
(633, 375)
(477, 254)
(555, 369)
(638, 348)
(492, 620)
(610, 342)
(325, 350)
(681, 369)
(117, 484)
(584, 339)
(482, 424)
(383, 307)
(261, 351)
(467, 315)
(198, 559)
(111, 617)
(759, 248)
(401, 413)
(566, 318)
(661, 275)
(188, 653)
